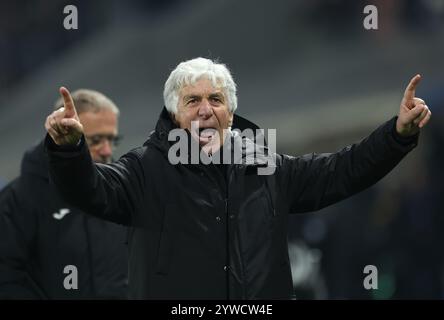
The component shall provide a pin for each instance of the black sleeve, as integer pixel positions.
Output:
(403, 140)
(314, 181)
(111, 192)
(17, 236)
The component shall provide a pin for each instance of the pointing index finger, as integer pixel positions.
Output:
(411, 87)
(70, 110)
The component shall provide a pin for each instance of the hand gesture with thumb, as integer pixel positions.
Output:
(63, 125)
(413, 112)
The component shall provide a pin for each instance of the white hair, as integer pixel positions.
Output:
(189, 72)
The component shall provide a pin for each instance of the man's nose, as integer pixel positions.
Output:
(205, 109)
(106, 149)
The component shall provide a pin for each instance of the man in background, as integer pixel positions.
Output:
(48, 249)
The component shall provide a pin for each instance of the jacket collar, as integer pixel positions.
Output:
(251, 153)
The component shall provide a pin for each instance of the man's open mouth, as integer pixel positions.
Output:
(206, 135)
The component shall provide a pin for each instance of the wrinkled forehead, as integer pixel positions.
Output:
(201, 86)
(103, 121)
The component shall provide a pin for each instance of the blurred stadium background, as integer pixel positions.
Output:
(306, 68)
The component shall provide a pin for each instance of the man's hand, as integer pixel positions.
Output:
(413, 113)
(63, 125)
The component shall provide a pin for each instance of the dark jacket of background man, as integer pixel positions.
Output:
(40, 234)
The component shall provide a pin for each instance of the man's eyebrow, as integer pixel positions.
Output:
(217, 94)
(195, 96)
(191, 96)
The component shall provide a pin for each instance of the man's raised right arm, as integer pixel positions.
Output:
(110, 192)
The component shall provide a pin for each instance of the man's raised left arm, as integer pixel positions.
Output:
(313, 181)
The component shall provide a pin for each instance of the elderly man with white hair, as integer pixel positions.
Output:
(215, 230)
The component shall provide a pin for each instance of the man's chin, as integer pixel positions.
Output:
(210, 147)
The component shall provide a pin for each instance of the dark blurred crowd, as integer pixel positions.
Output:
(397, 227)
(27, 25)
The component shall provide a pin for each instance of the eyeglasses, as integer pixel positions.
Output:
(97, 140)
